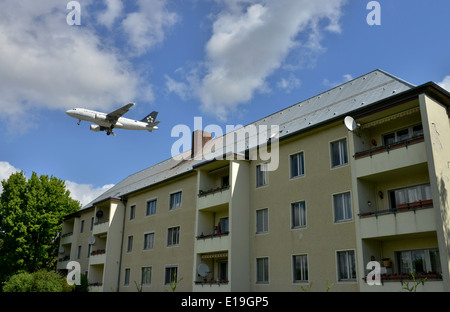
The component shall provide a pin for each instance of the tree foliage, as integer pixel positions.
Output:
(31, 214)
(39, 281)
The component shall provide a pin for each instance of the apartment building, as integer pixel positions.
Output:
(218, 219)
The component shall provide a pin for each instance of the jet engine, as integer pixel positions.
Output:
(95, 128)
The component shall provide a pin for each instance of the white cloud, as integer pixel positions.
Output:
(146, 28)
(445, 83)
(252, 39)
(289, 83)
(6, 169)
(114, 9)
(85, 193)
(331, 84)
(44, 63)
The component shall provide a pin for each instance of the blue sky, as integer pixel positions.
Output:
(230, 62)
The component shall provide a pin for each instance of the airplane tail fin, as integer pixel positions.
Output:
(150, 118)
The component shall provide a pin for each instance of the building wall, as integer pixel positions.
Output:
(161, 255)
(321, 238)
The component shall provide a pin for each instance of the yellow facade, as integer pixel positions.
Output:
(338, 200)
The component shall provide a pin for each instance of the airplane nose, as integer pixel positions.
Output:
(70, 112)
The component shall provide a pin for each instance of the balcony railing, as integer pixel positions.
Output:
(421, 204)
(212, 235)
(387, 148)
(213, 190)
(212, 282)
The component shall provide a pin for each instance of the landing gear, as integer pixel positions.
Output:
(110, 131)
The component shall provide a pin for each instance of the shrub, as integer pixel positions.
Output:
(40, 281)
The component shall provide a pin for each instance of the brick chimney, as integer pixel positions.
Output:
(199, 139)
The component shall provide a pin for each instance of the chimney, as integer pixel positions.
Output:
(199, 139)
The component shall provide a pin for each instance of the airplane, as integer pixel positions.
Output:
(107, 122)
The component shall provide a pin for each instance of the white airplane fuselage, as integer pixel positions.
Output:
(104, 124)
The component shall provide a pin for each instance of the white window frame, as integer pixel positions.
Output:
(266, 274)
(265, 225)
(126, 277)
(142, 276)
(129, 244)
(291, 211)
(170, 267)
(177, 205)
(294, 275)
(349, 279)
(346, 218)
(170, 238)
(151, 200)
(301, 172)
(264, 175)
(132, 214)
(148, 245)
(341, 163)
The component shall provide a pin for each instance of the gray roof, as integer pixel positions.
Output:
(350, 96)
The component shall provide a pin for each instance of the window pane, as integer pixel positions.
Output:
(262, 221)
(175, 200)
(300, 268)
(262, 270)
(339, 153)
(298, 214)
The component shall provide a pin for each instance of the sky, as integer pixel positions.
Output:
(230, 62)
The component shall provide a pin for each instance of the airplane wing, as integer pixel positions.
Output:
(115, 115)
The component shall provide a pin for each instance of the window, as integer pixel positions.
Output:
(298, 215)
(223, 270)
(262, 219)
(88, 251)
(262, 270)
(149, 239)
(126, 278)
(419, 261)
(225, 181)
(300, 268)
(342, 207)
(132, 211)
(130, 243)
(82, 226)
(79, 252)
(171, 275)
(173, 236)
(146, 276)
(410, 195)
(223, 225)
(297, 165)
(346, 265)
(403, 134)
(175, 200)
(261, 175)
(151, 207)
(339, 155)
(92, 224)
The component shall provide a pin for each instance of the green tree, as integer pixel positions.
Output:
(39, 281)
(31, 214)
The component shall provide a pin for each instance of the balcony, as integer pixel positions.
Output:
(213, 197)
(98, 256)
(390, 157)
(66, 238)
(212, 242)
(404, 219)
(101, 226)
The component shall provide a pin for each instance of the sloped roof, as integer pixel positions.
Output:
(338, 101)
